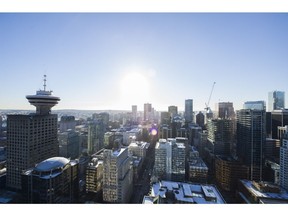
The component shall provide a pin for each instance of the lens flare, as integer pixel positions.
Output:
(154, 132)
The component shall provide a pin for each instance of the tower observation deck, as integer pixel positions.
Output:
(43, 100)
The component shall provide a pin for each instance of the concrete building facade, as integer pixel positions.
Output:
(117, 176)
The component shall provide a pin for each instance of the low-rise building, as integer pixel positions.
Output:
(198, 171)
(261, 192)
(54, 180)
(168, 192)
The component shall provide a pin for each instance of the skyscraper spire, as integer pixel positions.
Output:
(44, 82)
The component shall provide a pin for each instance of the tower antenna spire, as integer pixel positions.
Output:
(44, 82)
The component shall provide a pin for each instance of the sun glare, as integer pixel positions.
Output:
(134, 88)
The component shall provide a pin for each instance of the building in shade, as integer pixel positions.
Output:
(67, 122)
(228, 171)
(117, 176)
(54, 180)
(272, 172)
(279, 118)
(188, 114)
(276, 100)
(282, 131)
(147, 111)
(221, 135)
(284, 162)
(69, 144)
(272, 149)
(31, 138)
(165, 118)
(134, 113)
(96, 131)
(165, 132)
(200, 119)
(251, 138)
(173, 110)
(198, 171)
(101, 117)
(225, 110)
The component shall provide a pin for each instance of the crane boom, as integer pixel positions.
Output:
(207, 104)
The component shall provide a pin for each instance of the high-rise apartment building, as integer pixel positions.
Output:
(147, 111)
(200, 119)
(170, 160)
(67, 122)
(284, 162)
(278, 118)
(165, 132)
(69, 144)
(165, 118)
(178, 160)
(225, 110)
(138, 148)
(31, 138)
(228, 171)
(117, 176)
(276, 100)
(94, 175)
(54, 180)
(96, 133)
(221, 135)
(173, 110)
(188, 115)
(282, 131)
(163, 159)
(134, 112)
(103, 117)
(251, 138)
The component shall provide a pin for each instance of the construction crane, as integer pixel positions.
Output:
(209, 112)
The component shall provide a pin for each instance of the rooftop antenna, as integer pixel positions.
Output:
(44, 82)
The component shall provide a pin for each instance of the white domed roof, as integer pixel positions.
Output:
(52, 163)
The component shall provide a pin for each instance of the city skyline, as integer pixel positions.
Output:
(93, 60)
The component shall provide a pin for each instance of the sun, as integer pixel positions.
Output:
(134, 88)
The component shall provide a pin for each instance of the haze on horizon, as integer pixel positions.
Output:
(98, 61)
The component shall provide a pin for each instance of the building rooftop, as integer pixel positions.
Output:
(282, 194)
(180, 145)
(148, 200)
(197, 163)
(51, 164)
(118, 152)
(185, 192)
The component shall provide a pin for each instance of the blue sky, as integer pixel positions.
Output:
(88, 58)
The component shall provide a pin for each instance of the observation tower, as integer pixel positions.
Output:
(43, 100)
